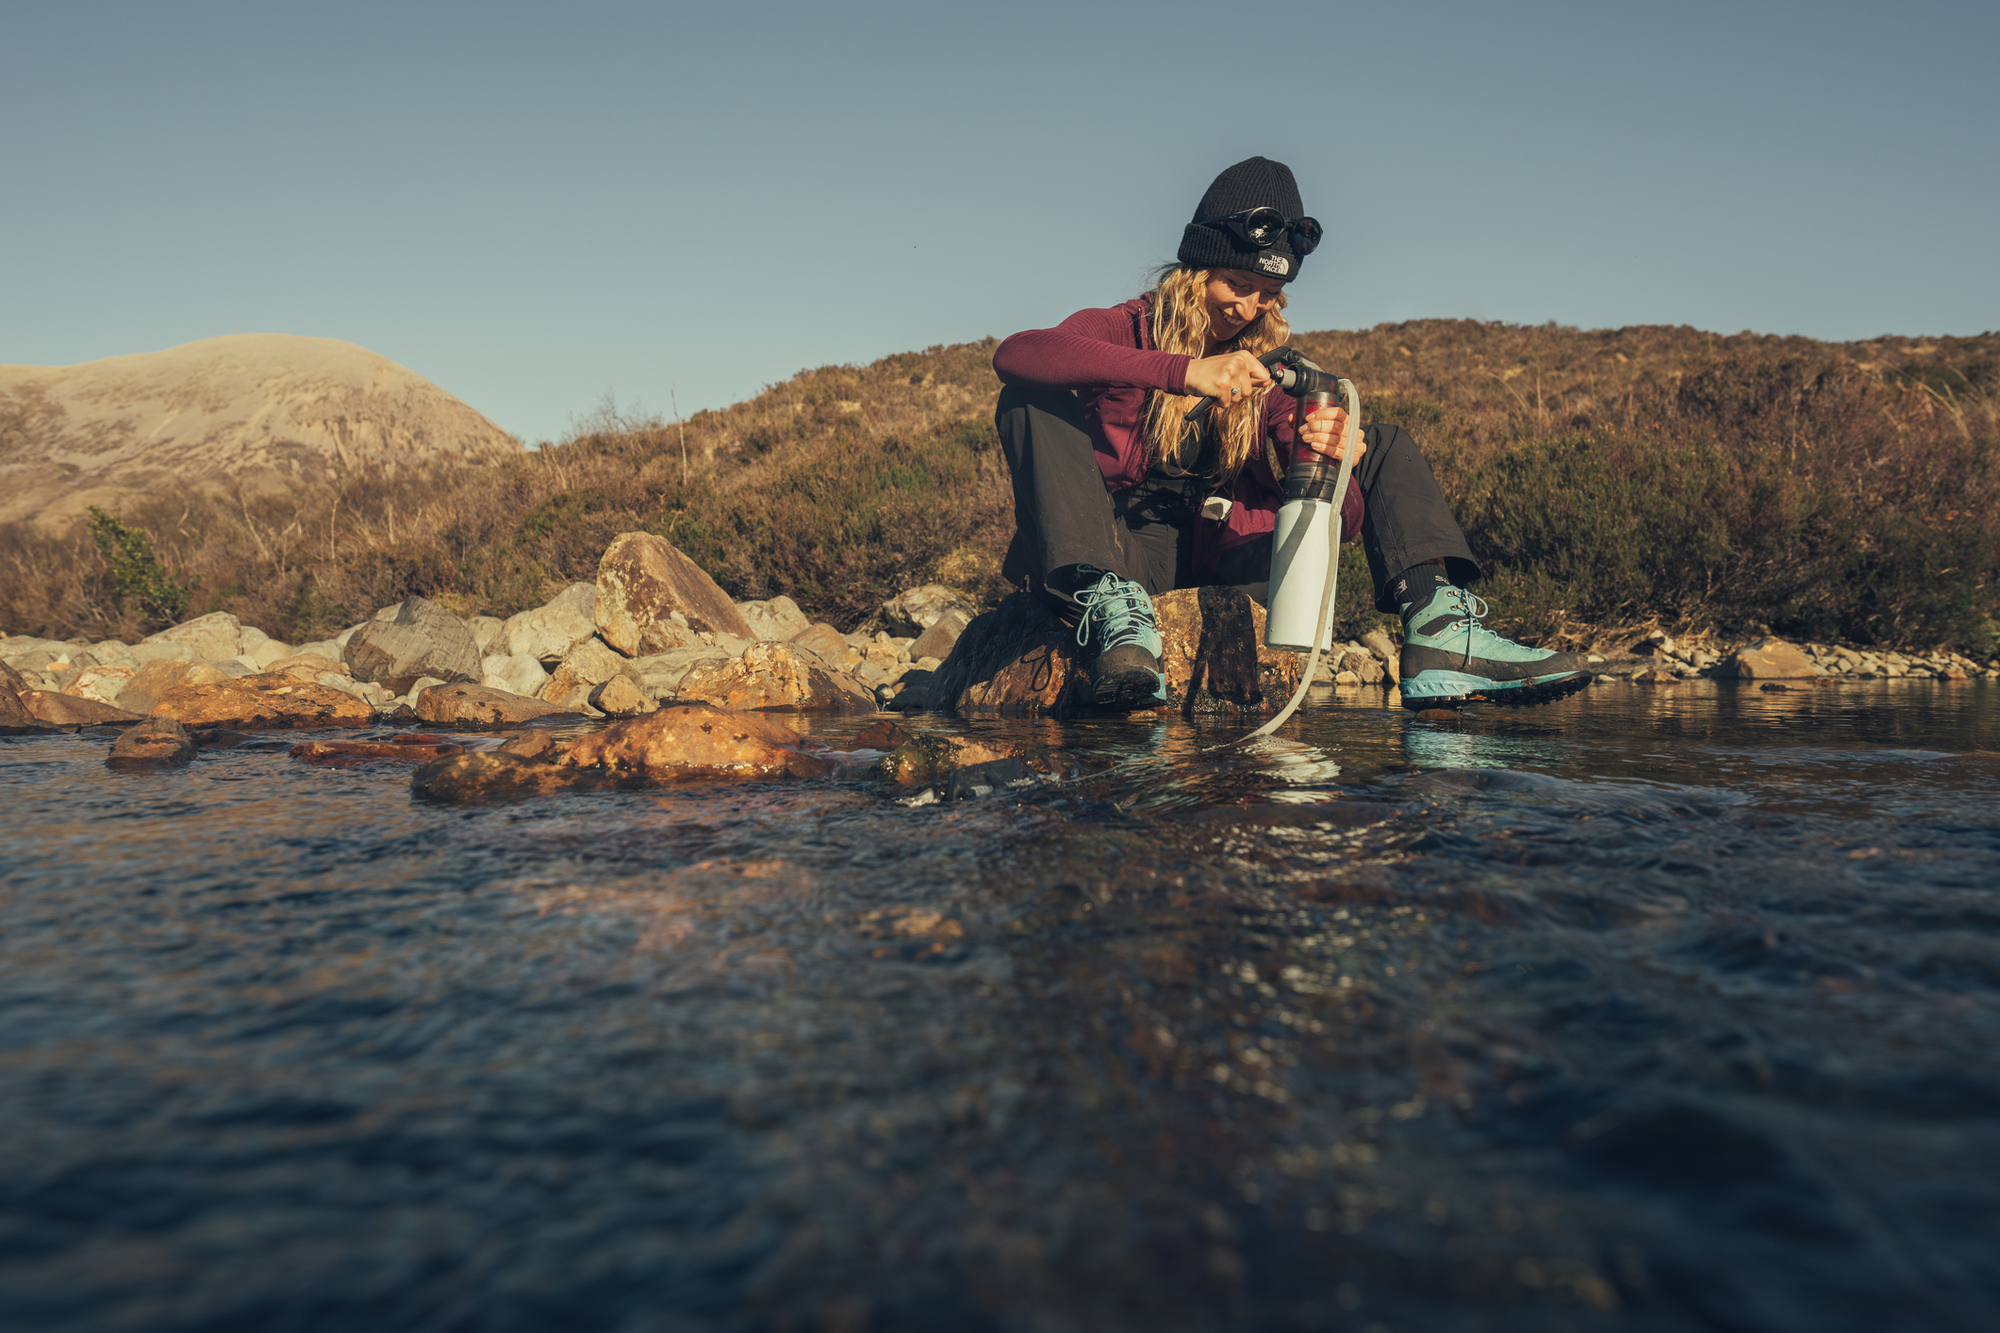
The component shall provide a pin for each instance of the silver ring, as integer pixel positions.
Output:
(1236, 393)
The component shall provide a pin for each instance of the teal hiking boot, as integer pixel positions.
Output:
(1449, 659)
(1119, 630)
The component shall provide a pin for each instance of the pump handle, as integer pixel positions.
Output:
(1199, 412)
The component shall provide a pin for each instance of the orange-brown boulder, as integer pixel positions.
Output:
(1018, 659)
(478, 706)
(71, 710)
(15, 719)
(265, 702)
(826, 642)
(642, 581)
(152, 681)
(157, 742)
(776, 677)
(927, 758)
(693, 743)
(1767, 659)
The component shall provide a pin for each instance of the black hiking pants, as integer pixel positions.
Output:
(1063, 516)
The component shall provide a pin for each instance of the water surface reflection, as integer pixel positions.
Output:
(1665, 1009)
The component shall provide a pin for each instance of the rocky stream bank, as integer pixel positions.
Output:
(656, 643)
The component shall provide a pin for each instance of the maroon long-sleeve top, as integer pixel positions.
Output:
(1107, 356)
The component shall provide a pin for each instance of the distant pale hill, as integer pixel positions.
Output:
(260, 410)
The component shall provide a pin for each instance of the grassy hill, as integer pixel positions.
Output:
(1610, 478)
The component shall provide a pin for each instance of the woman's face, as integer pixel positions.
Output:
(1235, 298)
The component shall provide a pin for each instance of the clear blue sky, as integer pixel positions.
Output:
(536, 204)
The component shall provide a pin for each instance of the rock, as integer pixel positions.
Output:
(922, 760)
(412, 748)
(156, 677)
(549, 633)
(309, 666)
(520, 674)
(70, 710)
(157, 742)
(1656, 676)
(263, 655)
(662, 673)
(328, 648)
(937, 641)
(588, 665)
(621, 697)
(15, 719)
(827, 643)
(641, 581)
(493, 775)
(730, 644)
(163, 652)
(1439, 715)
(478, 706)
(102, 683)
(691, 743)
(1377, 642)
(530, 745)
(775, 620)
(215, 636)
(776, 676)
(917, 609)
(233, 667)
(485, 629)
(1767, 659)
(110, 652)
(270, 701)
(421, 639)
(1018, 659)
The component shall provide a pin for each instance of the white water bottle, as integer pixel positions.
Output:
(1301, 546)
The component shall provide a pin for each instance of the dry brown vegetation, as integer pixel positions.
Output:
(1612, 476)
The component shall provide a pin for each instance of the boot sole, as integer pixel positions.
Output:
(1456, 690)
(1127, 690)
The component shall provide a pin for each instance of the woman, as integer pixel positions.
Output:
(1116, 497)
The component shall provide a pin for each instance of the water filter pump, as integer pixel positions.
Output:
(1305, 545)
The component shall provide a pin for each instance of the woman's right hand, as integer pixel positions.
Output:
(1218, 376)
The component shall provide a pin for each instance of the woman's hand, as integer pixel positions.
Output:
(1324, 431)
(1230, 377)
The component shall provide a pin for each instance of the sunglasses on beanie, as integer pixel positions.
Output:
(1262, 227)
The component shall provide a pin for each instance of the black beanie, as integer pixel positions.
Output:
(1255, 182)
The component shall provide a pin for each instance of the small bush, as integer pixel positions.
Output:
(136, 575)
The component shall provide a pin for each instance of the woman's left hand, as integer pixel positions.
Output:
(1323, 431)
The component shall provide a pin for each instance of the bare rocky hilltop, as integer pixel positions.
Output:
(261, 410)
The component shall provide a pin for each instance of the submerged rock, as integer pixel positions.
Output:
(642, 581)
(413, 748)
(693, 742)
(494, 775)
(157, 742)
(263, 702)
(1020, 660)
(421, 639)
(776, 677)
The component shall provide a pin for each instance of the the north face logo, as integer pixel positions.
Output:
(1277, 265)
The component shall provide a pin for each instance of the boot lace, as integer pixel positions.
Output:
(1122, 609)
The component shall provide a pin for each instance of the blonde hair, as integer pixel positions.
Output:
(1180, 324)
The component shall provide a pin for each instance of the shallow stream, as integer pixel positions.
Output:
(1661, 1009)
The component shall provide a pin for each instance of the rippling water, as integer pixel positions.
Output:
(1661, 1009)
